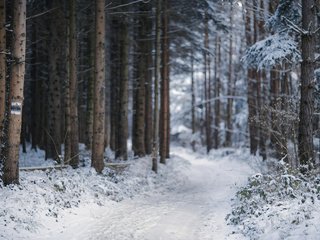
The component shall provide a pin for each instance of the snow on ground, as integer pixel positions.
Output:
(188, 199)
(281, 204)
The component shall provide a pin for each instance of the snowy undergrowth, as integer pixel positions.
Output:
(280, 205)
(44, 195)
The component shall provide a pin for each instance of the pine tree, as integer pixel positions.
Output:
(138, 139)
(305, 138)
(73, 88)
(11, 161)
(252, 85)
(217, 91)
(53, 149)
(2, 63)
(148, 73)
(99, 89)
(165, 79)
(229, 124)
(207, 84)
(124, 88)
(155, 145)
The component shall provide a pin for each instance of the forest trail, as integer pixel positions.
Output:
(196, 211)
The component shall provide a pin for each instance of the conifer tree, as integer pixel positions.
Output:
(11, 161)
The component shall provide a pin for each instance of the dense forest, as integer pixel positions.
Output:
(159, 119)
(100, 73)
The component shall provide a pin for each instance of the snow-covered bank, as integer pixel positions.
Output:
(280, 205)
(45, 197)
(188, 199)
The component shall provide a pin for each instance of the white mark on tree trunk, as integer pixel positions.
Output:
(16, 108)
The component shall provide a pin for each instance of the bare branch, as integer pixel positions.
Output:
(40, 14)
(127, 4)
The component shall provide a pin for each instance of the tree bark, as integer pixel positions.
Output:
(2, 64)
(67, 140)
(263, 115)
(305, 137)
(149, 94)
(252, 85)
(34, 85)
(229, 125)
(138, 143)
(193, 103)
(284, 107)
(90, 93)
(274, 80)
(121, 151)
(115, 80)
(11, 163)
(99, 89)
(167, 49)
(261, 87)
(73, 87)
(164, 116)
(155, 145)
(53, 149)
(217, 92)
(207, 84)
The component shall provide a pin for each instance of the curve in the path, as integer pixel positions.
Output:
(196, 211)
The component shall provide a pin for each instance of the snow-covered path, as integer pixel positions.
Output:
(196, 211)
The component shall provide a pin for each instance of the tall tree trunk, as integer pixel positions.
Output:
(318, 67)
(54, 139)
(262, 88)
(114, 92)
(253, 130)
(138, 143)
(99, 90)
(121, 151)
(252, 84)
(73, 87)
(164, 127)
(274, 93)
(217, 92)
(167, 49)
(108, 67)
(11, 162)
(81, 92)
(155, 145)
(2, 63)
(149, 94)
(284, 107)
(36, 85)
(67, 140)
(263, 115)
(193, 103)
(207, 88)
(305, 137)
(229, 125)
(90, 93)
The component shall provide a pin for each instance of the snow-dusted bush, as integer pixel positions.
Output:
(280, 205)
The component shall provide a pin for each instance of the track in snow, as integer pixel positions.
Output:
(196, 211)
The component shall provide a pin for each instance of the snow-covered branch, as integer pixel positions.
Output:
(274, 50)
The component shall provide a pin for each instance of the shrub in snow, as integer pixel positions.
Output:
(283, 204)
